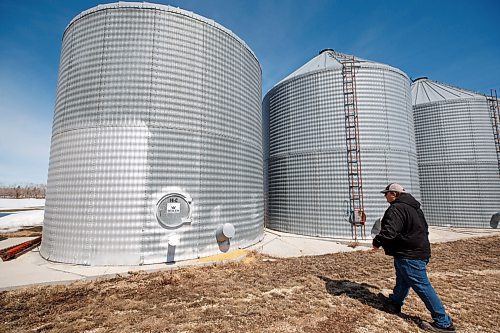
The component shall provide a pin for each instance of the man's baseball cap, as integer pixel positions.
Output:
(393, 187)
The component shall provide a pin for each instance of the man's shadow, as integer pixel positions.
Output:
(362, 293)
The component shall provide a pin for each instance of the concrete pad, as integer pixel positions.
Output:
(285, 245)
(30, 269)
(448, 234)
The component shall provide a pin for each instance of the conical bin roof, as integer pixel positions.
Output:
(329, 59)
(425, 91)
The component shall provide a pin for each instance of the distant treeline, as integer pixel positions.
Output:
(23, 191)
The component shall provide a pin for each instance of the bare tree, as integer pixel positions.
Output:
(18, 191)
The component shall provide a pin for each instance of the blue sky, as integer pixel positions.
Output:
(451, 41)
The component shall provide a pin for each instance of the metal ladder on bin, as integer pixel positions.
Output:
(495, 121)
(356, 201)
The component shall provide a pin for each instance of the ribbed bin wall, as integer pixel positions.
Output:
(305, 145)
(152, 101)
(459, 176)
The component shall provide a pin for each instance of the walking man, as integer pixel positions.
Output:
(404, 235)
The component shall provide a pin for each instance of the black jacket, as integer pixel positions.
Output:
(404, 230)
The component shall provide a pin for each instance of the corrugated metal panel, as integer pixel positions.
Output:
(459, 175)
(306, 161)
(150, 100)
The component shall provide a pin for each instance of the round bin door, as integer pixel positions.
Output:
(173, 210)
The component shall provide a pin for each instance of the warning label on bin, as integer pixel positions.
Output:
(173, 207)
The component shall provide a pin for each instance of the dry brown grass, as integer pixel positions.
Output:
(330, 293)
(27, 232)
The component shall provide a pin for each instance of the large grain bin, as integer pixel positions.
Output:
(308, 188)
(156, 147)
(458, 164)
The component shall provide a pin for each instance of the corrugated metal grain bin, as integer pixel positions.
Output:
(459, 175)
(306, 152)
(156, 146)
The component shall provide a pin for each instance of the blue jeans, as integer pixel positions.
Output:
(412, 273)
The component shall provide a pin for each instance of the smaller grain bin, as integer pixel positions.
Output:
(307, 140)
(156, 151)
(458, 164)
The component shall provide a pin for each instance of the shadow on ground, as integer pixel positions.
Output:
(361, 292)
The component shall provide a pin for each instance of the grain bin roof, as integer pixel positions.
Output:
(425, 91)
(329, 59)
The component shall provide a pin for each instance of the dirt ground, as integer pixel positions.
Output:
(27, 232)
(329, 293)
